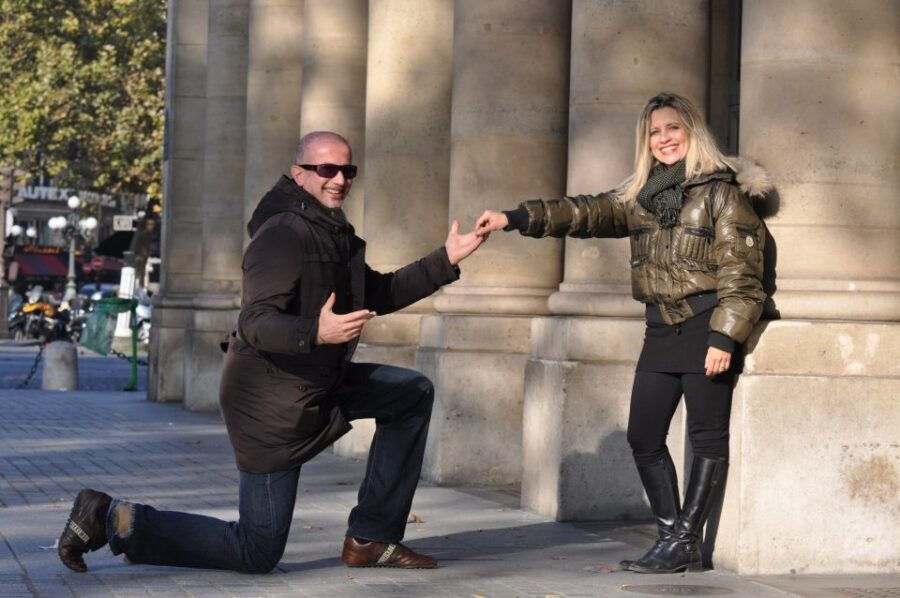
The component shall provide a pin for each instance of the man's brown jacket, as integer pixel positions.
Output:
(276, 382)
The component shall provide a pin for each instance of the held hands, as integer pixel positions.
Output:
(335, 329)
(490, 221)
(717, 361)
(458, 246)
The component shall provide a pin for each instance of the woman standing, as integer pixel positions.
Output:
(696, 262)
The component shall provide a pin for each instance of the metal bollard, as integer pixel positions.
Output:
(60, 366)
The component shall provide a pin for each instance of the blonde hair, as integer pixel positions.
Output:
(703, 156)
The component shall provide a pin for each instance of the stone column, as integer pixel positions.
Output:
(215, 310)
(274, 76)
(334, 99)
(579, 377)
(334, 81)
(819, 111)
(183, 191)
(407, 158)
(508, 139)
(816, 413)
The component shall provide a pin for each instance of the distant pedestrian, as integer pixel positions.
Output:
(288, 387)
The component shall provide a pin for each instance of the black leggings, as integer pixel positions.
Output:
(654, 398)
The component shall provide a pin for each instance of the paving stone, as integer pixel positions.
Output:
(54, 443)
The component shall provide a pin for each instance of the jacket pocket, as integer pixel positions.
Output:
(640, 244)
(694, 248)
(325, 271)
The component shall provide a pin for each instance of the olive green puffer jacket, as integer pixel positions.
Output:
(717, 245)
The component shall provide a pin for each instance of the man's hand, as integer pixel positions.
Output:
(717, 361)
(458, 246)
(335, 329)
(490, 221)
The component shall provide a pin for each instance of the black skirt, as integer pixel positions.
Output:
(677, 348)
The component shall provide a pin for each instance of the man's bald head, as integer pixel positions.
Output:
(322, 167)
(316, 137)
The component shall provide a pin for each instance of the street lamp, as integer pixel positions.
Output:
(73, 229)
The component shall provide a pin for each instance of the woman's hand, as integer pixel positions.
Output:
(458, 246)
(490, 221)
(717, 361)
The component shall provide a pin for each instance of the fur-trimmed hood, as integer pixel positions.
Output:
(751, 177)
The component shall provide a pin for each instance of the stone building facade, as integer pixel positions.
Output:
(454, 106)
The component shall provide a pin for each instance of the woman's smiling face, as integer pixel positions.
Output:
(668, 137)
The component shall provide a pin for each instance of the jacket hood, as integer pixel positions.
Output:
(751, 177)
(288, 196)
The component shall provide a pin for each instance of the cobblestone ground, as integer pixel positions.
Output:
(54, 443)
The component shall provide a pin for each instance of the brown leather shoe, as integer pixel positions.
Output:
(85, 530)
(379, 554)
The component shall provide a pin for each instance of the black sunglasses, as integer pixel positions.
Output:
(328, 171)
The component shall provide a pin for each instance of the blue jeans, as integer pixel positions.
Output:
(399, 399)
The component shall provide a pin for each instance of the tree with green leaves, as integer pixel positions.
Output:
(83, 91)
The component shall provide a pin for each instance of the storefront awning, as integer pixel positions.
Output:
(37, 264)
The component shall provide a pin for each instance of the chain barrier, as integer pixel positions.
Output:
(34, 367)
(121, 355)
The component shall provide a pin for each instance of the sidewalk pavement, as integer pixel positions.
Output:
(54, 443)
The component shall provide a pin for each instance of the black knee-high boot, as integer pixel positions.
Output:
(661, 485)
(681, 552)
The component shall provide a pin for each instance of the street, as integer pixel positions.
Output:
(95, 372)
(54, 443)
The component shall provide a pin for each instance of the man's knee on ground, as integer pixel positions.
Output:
(259, 567)
(259, 562)
(261, 556)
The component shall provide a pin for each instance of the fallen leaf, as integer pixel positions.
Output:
(413, 518)
(51, 547)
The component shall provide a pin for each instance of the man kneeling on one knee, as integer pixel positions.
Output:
(288, 387)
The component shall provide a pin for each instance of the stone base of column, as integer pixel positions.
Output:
(390, 340)
(867, 300)
(477, 364)
(605, 300)
(493, 300)
(172, 317)
(815, 445)
(815, 441)
(577, 464)
(213, 318)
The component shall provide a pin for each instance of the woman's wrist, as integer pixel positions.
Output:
(721, 342)
(517, 219)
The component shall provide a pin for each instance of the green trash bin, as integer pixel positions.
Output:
(101, 327)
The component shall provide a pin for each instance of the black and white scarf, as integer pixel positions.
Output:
(662, 194)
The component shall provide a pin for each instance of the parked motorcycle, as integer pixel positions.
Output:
(40, 318)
